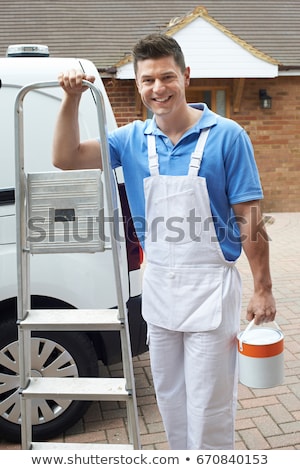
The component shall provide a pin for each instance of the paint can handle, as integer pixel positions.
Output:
(249, 326)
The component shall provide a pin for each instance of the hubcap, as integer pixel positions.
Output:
(49, 359)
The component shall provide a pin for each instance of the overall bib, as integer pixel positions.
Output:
(191, 302)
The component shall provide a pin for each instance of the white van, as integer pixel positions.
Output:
(58, 280)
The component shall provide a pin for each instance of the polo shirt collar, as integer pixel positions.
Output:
(208, 119)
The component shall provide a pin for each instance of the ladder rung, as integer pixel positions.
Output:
(81, 446)
(77, 388)
(72, 319)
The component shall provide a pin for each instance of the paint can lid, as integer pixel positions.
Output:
(262, 336)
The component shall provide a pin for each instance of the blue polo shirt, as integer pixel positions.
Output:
(228, 165)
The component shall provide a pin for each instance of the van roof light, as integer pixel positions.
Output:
(27, 50)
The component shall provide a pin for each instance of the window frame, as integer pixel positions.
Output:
(213, 90)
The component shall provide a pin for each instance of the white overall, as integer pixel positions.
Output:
(191, 302)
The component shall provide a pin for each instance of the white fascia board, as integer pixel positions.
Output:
(212, 54)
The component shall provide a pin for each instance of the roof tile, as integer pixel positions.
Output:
(105, 31)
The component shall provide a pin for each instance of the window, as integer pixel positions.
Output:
(215, 98)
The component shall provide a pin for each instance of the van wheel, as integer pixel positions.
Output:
(54, 354)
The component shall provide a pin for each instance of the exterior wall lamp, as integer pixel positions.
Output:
(265, 100)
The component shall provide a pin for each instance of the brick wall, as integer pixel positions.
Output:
(123, 97)
(275, 133)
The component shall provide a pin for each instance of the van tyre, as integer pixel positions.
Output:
(54, 354)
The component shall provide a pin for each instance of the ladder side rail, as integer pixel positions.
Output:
(23, 268)
(22, 251)
(20, 191)
(113, 221)
(26, 425)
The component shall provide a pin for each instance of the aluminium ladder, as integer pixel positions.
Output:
(33, 192)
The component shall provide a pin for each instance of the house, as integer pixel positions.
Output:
(244, 58)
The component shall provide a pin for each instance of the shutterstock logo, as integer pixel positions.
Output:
(63, 225)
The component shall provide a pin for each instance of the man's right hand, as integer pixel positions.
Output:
(71, 81)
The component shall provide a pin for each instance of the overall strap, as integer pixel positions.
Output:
(152, 156)
(197, 155)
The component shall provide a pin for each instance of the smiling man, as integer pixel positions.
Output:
(194, 192)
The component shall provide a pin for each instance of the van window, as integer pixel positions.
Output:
(7, 196)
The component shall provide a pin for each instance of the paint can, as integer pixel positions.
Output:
(261, 356)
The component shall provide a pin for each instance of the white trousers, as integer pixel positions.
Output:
(195, 379)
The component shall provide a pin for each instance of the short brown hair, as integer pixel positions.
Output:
(156, 46)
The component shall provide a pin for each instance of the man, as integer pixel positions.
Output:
(191, 176)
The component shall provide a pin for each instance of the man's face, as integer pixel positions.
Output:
(162, 84)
